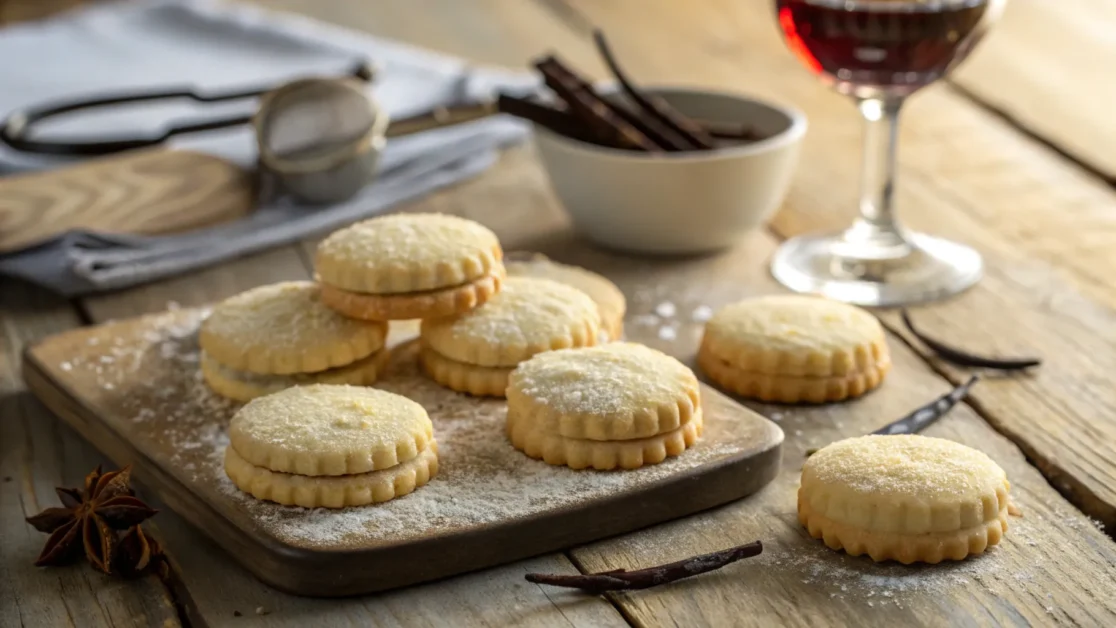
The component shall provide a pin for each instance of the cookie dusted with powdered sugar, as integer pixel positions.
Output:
(619, 405)
(907, 498)
(475, 352)
(405, 266)
(793, 348)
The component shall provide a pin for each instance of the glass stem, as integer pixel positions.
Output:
(877, 228)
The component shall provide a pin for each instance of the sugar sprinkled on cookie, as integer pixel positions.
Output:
(907, 498)
(794, 348)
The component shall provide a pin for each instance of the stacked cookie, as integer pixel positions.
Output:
(619, 405)
(791, 349)
(474, 352)
(610, 301)
(282, 335)
(330, 446)
(907, 498)
(405, 266)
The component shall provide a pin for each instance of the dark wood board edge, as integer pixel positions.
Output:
(315, 573)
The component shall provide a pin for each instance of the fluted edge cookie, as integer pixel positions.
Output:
(603, 455)
(246, 386)
(526, 317)
(429, 304)
(332, 491)
(907, 498)
(330, 430)
(285, 328)
(608, 297)
(790, 389)
(795, 335)
(479, 381)
(615, 391)
(402, 253)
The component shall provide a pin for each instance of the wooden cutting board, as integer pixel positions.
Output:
(142, 192)
(132, 388)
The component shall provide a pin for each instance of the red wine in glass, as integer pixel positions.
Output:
(889, 46)
(879, 52)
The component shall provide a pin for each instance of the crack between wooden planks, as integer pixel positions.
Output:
(568, 14)
(1015, 123)
(1069, 487)
(611, 598)
(1073, 490)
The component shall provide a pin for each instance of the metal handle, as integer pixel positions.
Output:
(441, 117)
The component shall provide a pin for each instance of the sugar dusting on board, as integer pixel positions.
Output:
(153, 383)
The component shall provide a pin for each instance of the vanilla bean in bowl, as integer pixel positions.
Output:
(639, 121)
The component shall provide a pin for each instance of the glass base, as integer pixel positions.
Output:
(920, 268)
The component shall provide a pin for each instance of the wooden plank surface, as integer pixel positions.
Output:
(1043, 224)
(212, 599)
(131, 389)
(1047, 67)
(37, 453)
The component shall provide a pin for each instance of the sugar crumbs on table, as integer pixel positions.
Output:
(262, 611)
(666, 309)
(701, 314)
(668, 332)
(646, 320)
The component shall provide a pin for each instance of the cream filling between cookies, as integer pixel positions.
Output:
(495, 273)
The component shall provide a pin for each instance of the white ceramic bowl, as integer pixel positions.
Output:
(678, 203)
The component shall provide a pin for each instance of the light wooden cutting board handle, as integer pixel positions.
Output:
(144, 192)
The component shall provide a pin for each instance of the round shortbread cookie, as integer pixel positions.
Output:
(407, 253)
(603, 455)
(609, 299)
(332, 492)
(787, 388)
(792, 348)
(330, 430)
(526, 317)
(285, 328)
(480, 381)
(908, 498)
(795, 335)
(246, 386)
(616, 391)
(429, 304)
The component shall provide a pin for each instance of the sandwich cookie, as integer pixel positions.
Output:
(405, 266)
(282, 335)
(792, 349)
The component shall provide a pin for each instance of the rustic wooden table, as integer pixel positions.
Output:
(1013, 155)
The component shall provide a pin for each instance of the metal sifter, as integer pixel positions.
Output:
(319, 138)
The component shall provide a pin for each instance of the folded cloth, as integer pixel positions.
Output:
(214, 47)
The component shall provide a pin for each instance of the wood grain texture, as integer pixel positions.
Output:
(1043, 225)
(147, 192)
(131, 389)
(1046, 66)
(37, 453)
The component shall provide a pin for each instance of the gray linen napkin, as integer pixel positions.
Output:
(161, 43)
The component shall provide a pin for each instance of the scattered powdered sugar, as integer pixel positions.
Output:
(152, 392)
(666, 309)
(668, 332)
(701, 314)
(645, 320)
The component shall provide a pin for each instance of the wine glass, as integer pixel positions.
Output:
(878, 52)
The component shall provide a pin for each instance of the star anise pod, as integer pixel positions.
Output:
(90, 519)
(135, 553)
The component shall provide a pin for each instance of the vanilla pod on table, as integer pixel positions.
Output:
(961, 357)
(921, 417)
(624, 580)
